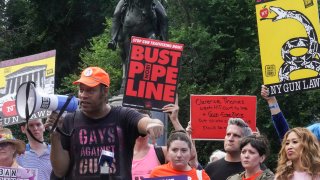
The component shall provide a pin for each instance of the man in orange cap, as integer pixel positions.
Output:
(98, 126)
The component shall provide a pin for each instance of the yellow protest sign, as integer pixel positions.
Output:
(39, 68)
(289, 46)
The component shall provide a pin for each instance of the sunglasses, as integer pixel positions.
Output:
(5, 144)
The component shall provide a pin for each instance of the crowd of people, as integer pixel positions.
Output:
(127, 133)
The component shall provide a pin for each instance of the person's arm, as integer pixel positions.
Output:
(279, 121)
(152, 127)
(194, 157)
(59, 157)
(173, 110)
(272, 101)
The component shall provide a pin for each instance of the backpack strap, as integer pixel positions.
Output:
(160, 155)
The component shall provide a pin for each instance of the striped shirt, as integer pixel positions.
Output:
(30, 159)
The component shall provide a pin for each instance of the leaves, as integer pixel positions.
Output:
(221, 53)
(98, 55)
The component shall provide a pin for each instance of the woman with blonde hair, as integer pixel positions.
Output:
(299, 157)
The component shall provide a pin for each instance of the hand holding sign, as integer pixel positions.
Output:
(172, 110)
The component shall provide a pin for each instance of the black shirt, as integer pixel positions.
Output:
(222, 169)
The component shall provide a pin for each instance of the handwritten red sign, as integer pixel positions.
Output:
(210, 114)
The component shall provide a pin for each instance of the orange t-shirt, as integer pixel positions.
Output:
(167, 170)
(253, 177)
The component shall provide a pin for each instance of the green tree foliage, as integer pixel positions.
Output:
(3, 25)
(217, 58)
(35, 26)
(221, 53)
(98, 55)
(221, 56)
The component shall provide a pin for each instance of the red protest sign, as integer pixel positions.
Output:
(210, 114)
(152, 75)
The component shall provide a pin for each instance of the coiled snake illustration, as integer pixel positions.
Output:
(310, 60)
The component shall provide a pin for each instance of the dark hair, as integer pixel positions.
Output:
(260, 143)
(102, 87)
(179, 135)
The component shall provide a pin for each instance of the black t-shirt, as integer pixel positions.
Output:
(222, 169)
(116, 132)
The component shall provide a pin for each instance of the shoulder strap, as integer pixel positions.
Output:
(28, 147)
(199, 174)
(160, 155)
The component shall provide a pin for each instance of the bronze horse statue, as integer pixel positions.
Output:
(142, 18)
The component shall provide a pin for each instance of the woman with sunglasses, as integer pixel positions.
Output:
(10, 148)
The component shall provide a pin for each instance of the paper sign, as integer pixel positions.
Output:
(38, 68)
(152, 74)
(183, 177)
(7, 173)
(289, 44)
(210, 114)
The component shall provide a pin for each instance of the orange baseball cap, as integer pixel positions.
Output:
(93, 76)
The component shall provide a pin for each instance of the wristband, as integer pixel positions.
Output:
(274, 106)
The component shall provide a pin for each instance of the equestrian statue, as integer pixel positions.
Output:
(142, 18)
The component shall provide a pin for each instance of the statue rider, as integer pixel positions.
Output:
(119, 12)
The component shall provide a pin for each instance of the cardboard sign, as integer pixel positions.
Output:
(182, 177)
(38, 68)
(152, 74)
(210, 114)
(288, 39)
(18, 173)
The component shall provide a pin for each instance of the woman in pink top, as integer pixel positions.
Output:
(145, 158)
(299, 157)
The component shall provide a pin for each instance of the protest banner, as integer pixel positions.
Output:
(38, 68)
(152, 75)
(182, 177)
(210, 114)
(288, 38)
(8, 173)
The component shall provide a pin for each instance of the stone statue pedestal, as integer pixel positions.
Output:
(116, 100)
